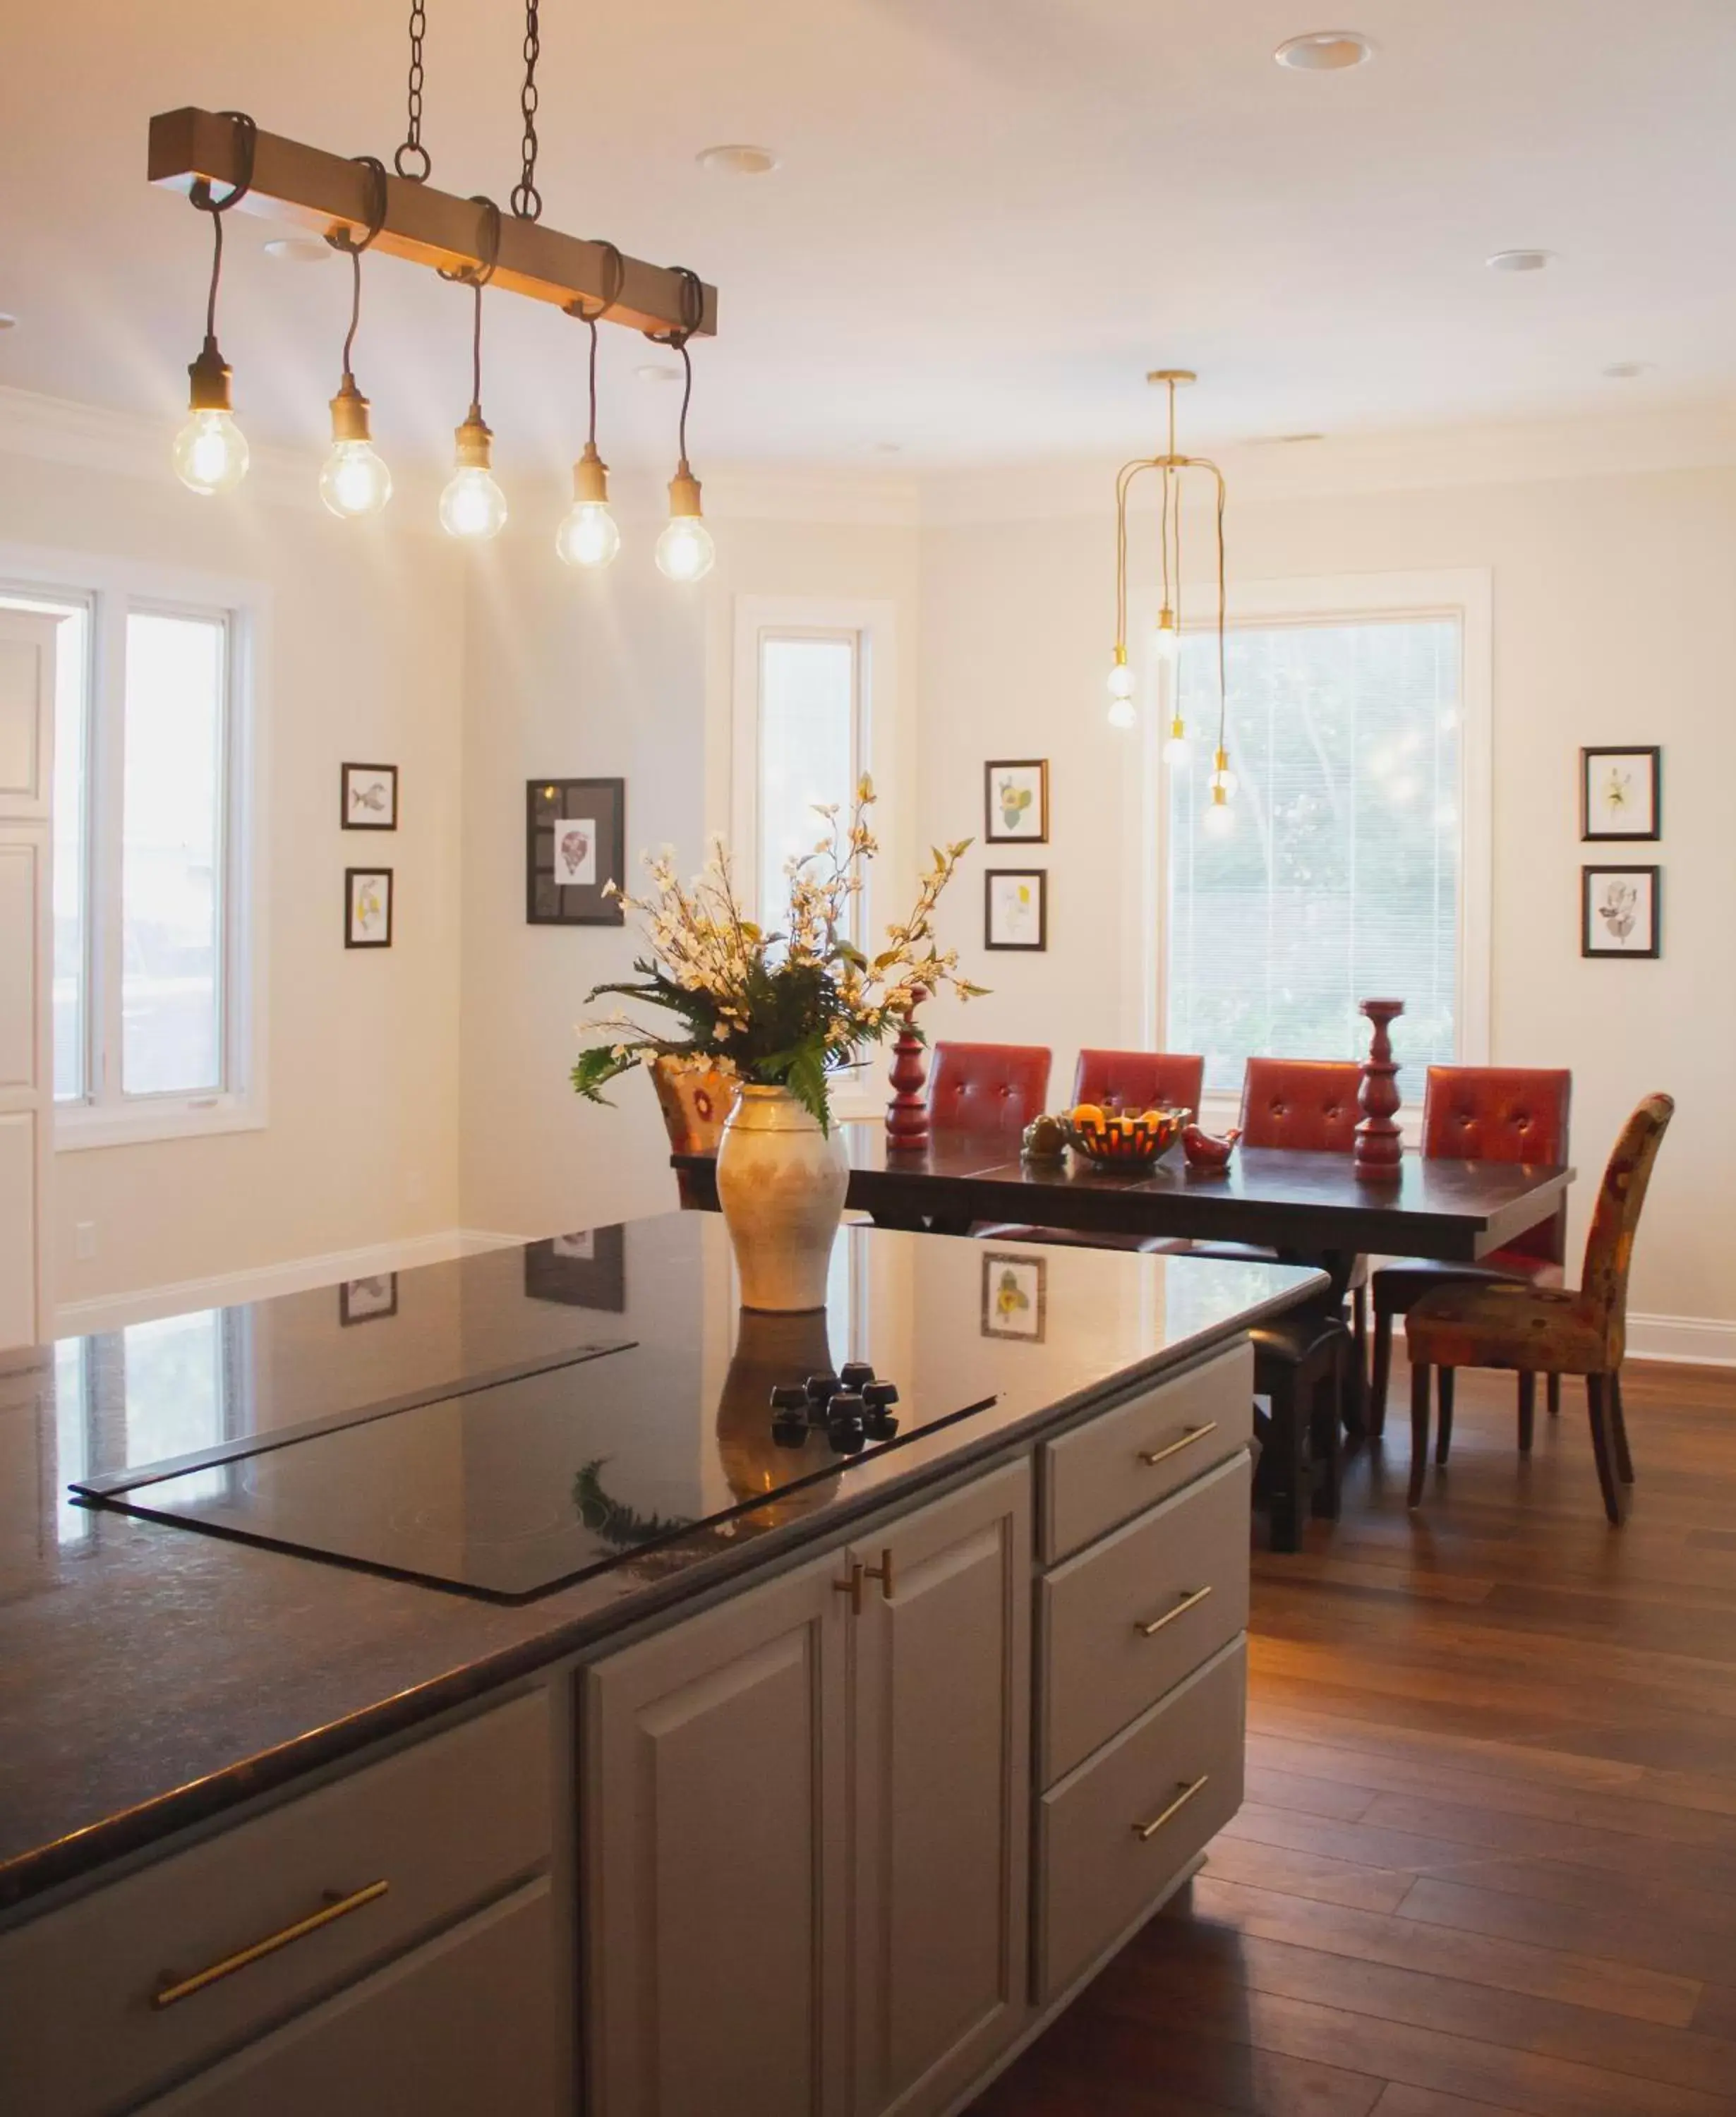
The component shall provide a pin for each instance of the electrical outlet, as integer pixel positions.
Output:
(83, 1241)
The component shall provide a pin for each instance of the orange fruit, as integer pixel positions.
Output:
(1088, 1117)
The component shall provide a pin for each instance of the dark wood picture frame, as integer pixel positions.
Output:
(1040, 875)
(347, 1312)
(548, 901)
(994, 1262)
(1655, 947)
(596, 1281)
(350, 876)
(1654, 756)
(991, 808)
(350, 822)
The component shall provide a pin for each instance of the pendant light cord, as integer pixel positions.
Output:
(693, 314)
(617, 278)
(352, 247)
(200, 192)
(412, 161)
(526, 201)
(1223, 685)
(477, 276)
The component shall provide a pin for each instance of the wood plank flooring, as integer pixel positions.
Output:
(1487, 1864)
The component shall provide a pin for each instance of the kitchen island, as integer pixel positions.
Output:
(814, 1782)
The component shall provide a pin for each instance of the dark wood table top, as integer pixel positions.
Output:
(1308, 1205)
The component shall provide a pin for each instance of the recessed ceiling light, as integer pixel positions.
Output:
(7, 322)
(653, 370)
(297, 249)
(888, 448)
(1285, 440)
(1325, 51)
(1520, 260)
(737, 161)
(1625, 371)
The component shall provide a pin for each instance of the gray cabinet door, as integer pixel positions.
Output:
(715, 1834)
(941, 1753)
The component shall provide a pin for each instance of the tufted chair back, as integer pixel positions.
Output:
(1308, 1104)
(1139, 1080)
(1615, 1219)
(987, 1087)
(1503, 1114)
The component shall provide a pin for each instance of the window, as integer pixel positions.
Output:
(153, 982)
(811, 753)
(1356, 861)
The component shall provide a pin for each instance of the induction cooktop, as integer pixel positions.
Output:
(511, 1488)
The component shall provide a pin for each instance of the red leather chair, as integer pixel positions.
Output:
(986, 1087)
(1308, 1104)
(1484, 1113)
(1139, 1080)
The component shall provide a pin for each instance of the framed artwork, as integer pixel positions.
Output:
(367, 907)
(585, 1270)
(370, 797)
(1015, 794)
(1016, 908)
(575, 843)
(1015, 1296)
(366, 1300)
(1621, 911)
(1621, 793)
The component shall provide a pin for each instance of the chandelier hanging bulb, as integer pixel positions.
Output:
(353, 479)
(210, 451)
(684, 551)
(473, 506)
(589, 535)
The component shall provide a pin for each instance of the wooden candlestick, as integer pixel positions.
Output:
(907, 1114)
(1380, 1146)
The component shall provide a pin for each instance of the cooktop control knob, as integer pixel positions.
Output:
(855, 1374)
(820, 1387)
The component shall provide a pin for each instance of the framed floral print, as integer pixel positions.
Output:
(1621, 793)
(576, 844)
(1621, 911)
(1015, 795)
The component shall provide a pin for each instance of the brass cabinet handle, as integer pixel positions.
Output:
(334, 1908)
(882, 1574)
(1144, 1832)
(852, 1586)
(1150, 1457)
(1188, 1601)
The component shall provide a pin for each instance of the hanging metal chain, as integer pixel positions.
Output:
(412, 160)
(526, 201)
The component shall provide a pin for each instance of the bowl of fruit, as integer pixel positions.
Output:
(1123, 1139)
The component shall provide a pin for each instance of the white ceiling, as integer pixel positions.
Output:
(992, 218)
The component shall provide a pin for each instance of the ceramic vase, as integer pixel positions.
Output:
(781, 1182)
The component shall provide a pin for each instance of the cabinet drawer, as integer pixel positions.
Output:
(468, 2024)
(443, 1824)
(1124, 1622)
(1142, 1450)
(1097, 1869)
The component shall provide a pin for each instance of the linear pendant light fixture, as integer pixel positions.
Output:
(221, 159)
(1171, 465)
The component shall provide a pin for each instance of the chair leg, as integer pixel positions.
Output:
(1382, 1374)
(1597, 1403)
(1554, 1396)
(1420, 1380)
(1527, 1410)
(1443, 1439)
(1619, 1431)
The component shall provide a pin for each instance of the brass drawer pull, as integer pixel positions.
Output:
(335, 1908)
(852, 1586)
(882, 1574)
(1144, 1832)
(1150, 1457)
(1187, 1603)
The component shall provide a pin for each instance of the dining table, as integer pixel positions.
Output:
(1307, 1208)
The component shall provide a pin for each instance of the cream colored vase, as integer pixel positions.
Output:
(781, 1181)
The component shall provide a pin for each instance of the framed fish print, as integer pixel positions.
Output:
(367, 907)
(576, 844)
(1015, 1296)
(366, 1300)
(587, 1269)
(1015, 795)
(370, 797)
(1621, 911)
(1016, 908)
(1621, 793)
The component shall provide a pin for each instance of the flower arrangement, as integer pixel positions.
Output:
(783, 1009)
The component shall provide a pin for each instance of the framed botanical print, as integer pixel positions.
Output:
(369, 797)
(1016, 908)
(367, 907)
(1621, 911)
(1621, 793)
(587, 1269)
(1015, 794)
(576, 844)
(1015, 1296)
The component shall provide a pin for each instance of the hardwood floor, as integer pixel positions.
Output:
(1488, 1860)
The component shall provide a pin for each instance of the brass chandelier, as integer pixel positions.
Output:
(222, 160)
(1171, 466)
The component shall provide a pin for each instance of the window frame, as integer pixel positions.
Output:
(110, 589)
(1464, 594)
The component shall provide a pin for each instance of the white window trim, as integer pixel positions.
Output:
(861, 1094)
(1466, 593)
(115, 585)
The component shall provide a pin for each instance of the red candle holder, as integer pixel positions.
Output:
(907, 1114)
(1379, 1145)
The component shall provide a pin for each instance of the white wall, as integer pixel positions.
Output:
(361, 1146)
(1613, 622)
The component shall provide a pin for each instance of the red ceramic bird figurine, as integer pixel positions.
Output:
(1207, 1150)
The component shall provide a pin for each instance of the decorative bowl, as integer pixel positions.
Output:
(1124, 1142)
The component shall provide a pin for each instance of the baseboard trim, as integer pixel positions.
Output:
(114, 1312)
(1694, 1341)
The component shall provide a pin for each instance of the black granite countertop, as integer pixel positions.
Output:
(151, 1674)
